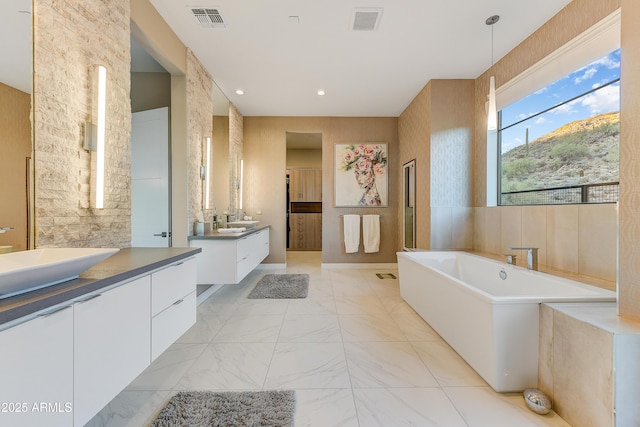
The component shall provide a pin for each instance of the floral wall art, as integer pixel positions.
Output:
(361, 175)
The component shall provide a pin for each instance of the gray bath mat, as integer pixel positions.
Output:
(281, 286)
(247, 408)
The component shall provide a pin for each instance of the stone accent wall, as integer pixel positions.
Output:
(200, 125)
(236, 143)
(71, 37)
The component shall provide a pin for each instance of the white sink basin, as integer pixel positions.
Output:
(27, 271)
(247, 224)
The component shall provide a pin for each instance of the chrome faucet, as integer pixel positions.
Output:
(532, 256)
(511, 259)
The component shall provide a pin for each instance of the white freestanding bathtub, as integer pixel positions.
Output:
(490, 321)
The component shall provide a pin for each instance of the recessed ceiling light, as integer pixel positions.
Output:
(294, 19)
(321, 92)
(239, 92)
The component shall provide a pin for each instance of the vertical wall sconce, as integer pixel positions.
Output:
(240, 184)
(205, 172)
(95, 136)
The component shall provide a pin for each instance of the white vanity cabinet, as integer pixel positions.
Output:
(228, 260)
(36, 371)
(173, 304)
(112, 341)
(62, 365)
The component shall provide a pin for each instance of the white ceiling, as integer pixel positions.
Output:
(280, 65)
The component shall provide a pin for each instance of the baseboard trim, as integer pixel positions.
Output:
(271, 266)
(206, 294)
(363, 265)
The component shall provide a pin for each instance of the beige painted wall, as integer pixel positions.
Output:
(629, 246)
(304, 159)
(15, 149)
(150, 91)
(265, 186)
(414, 134)
(564, 234)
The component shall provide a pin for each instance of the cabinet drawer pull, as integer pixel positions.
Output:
(54, 311)
(89, 298)
(180, 263)
(178, 302)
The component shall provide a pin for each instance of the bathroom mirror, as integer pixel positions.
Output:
(16, 143)
(220, 175)
(408, 205)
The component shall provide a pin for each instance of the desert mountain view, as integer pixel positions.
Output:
(578, 153)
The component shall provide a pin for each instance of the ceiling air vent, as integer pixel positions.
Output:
(366, 18)
(208, 17)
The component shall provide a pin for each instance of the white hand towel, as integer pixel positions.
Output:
(371, 233)
(352, 233)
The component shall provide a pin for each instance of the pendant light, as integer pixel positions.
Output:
(492, 116)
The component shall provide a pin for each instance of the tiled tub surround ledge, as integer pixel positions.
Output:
(125, 265)
(73, 347)
(488, 311)
(589, 363)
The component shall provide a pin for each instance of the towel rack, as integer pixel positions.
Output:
(341, 215)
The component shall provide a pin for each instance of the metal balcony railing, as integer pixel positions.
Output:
(607, 192)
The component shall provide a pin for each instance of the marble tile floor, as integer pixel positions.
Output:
(354, 351)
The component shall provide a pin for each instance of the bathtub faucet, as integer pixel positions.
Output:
(532, 256)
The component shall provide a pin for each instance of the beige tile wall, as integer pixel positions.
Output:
(576, 238)
(588, 364)
(582, 369)
(451, 227)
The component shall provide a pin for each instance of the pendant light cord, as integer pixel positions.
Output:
(491, 21)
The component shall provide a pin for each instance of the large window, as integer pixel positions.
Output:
(559, 145)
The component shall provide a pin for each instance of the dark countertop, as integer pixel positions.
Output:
(123, 265)
(214, 235)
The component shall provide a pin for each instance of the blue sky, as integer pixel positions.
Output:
(594, 75)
